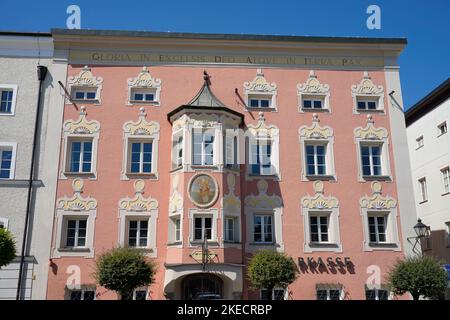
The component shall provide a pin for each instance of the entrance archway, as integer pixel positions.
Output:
(202, 286)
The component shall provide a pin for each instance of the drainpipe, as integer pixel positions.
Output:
(41, 73)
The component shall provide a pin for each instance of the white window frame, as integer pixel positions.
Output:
(140, 289)
(231, 149)
(178, 228)
(259, 97)
(69, 157)
(144, 92)
(203, 227)
(141, 141)
(82, 290)
(375, 217)
(315, 144)
(377, 292)
(423, 190)
(318, 216)
(215, 143)
(419, 142)
(384, 160)
(366, 90)
(313, 98)
(139, 220)
(198, 213)
(12, 146)
(77, 227)
(9, 87)
(262, 229)
(445, 173)
(85, 91)
(144, 82)
(226, 229)
(371, 164)
(285, 293)
(256, 141)
(328, 289)
(442, 128)
(366, 100)
(260, 88)
(177, 161)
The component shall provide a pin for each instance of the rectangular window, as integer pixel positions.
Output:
(328, 294)
(366, 104)
(315, 159)
(277, 294)
(377, 229)
(76, 233)
(319, 229)
(138, 233)
(6, 162)
(6, 101)
(229, 229)
(142, 96)
(260, 156)
(85, 94)
(259, 102)
(310, 103)
(446, 179)
(262, 229)
(371, 160)
(230, 150)
(141, 157)
(203, 153)
(442, 128)
(178, 229)
(419, 142)
(423, 189)
(82, 294)
(377, 294)
(202, 228)
(81, 156)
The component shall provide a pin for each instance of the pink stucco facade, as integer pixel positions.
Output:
(179, 84)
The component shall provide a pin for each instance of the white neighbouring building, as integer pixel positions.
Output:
(20, 55)
(429, 144)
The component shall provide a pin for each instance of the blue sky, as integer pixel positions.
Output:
(425, 63)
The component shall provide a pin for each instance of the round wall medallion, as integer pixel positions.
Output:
(203, 190)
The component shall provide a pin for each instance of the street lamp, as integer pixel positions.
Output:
(421, 229)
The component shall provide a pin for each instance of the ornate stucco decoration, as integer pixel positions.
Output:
(370, 132)
(86, 79)
(377, 201)
(203, 120)
(367, 87)
(76, 202)
(313, 86)
(82, 125)
(141, 126)
(260, 84)
(319, 201)
(138, 202)
(175, 200)
(315, 131)
(180, 122)
(263, 130)
(144, 81)
(230, 202)
(263, 200)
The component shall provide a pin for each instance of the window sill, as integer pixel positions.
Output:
(376, 111)
(378, 178)
(420, 147)
(74, 249)
(145, 249)
(262, 243)
(268, 109)
(323, 110)
(262, 176)
(176, 169)
(151, 175)
(323, 245)
(87, 101)
(202, 167)
(6, 114)
(137, 102)
(324, 177)
(231, 242)
(382, 245)
(445, 194)
(441, 134)
(83, 174)
(175, 243)
(201, 242)
(424, 201)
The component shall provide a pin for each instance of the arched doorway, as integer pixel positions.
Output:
(202, 286)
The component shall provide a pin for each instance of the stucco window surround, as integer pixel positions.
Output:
(445, 178)
(264, 204)
(80, 130)
(76, 207)
(85, 80)
(140, 131)
(367, 91)
(13, 88)
(9, 147)
(370, 136)
(203, 213)
(178, 148)
(231, 205)
(259, 88)
(320, 206)
(144, 83)
(312, 89)
(4, 223)
(268, 134)
(175, 213)
(317, 135)
(139, 208)
(378, 206)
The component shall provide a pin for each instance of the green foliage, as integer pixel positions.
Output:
(123, 270)
(420, 276)
(269, 269)
(7, 247)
